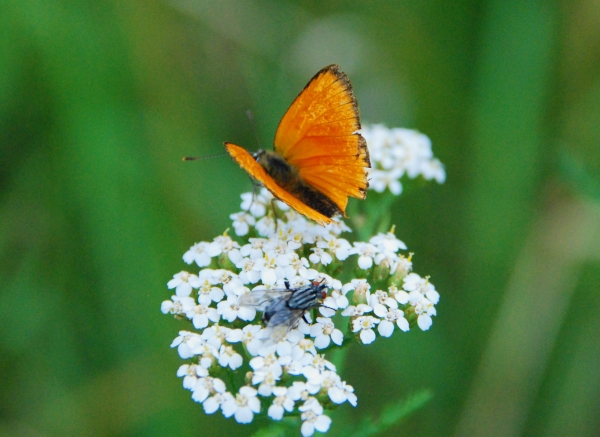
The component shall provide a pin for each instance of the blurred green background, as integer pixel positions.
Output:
(99, 101)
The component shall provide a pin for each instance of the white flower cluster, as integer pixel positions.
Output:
(397, 152)
(274, 252)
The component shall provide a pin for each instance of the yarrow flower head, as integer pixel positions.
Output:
(271, 300)
(398, 152)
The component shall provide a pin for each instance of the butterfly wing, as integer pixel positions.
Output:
(317, 135)
(248, 163)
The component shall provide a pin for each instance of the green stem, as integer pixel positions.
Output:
(376, 217)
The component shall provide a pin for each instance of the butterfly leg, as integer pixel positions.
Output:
(275, 214)
(255, 187)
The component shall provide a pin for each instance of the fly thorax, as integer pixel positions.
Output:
(305, 298)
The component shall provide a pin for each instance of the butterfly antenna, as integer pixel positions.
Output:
(202, 158)
(250, 116)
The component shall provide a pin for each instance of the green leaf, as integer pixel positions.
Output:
(393, 414)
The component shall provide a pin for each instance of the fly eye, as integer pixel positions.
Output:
(323, 294)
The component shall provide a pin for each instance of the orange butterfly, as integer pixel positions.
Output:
(319, 159)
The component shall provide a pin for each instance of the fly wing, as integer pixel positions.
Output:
(280, 324)
(261, 299)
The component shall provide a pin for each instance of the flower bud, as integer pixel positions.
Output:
(381, 271)
(402, 270)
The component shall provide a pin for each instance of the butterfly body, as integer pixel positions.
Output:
(318, 159)
(288, 177)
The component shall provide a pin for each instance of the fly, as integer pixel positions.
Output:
(283, 308)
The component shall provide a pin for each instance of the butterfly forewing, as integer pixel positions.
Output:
(248, 162)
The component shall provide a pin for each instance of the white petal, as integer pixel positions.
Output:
(402, 297)
(200, 321)
(323, 423)
(244, 415)
(307, 429)
(247, 391)
(265, 390)
(352, 399)
(183, 289)
(254, 404)
(200, 394)
(217, 294)
(311, 372)
(284, 348)
(367, 336)
(316, 329)
(379, 309)
(275, 412)
(391, 303)
(433, 296)
(327, 312)
(212, 315)
(247, 313)
(235, 361)
(424, 321)
(288, 404)
(174, 282)
(268, 276)
(183, 370)
(257, 362)
(337, 337)
(403, 324)
(219, 385)
(395, 187)
(234, 336)
(279, 391)
(214, 249)
(322, 341)
(385, 328)
(336, 395)
(342, 253)
(166, 306)
(229, 407)
(235, 256)
(210, 405)
(365, 262)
